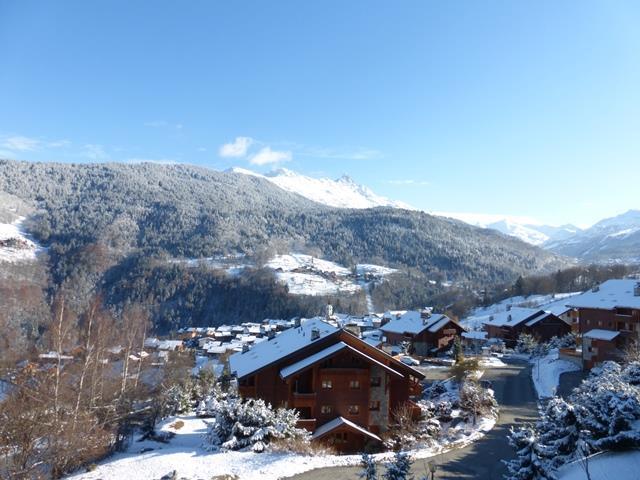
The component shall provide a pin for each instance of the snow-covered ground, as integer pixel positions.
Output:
(546, 373)
(604, 466)
(185, 454)
(308, 275)
(474, 320)
(15, 246)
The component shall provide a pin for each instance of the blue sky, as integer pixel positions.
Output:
(509, 107)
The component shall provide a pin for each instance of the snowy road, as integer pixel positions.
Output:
(482, 459)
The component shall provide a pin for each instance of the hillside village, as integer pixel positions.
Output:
(348, 377)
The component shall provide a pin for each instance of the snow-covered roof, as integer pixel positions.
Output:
(609, 295)
(599, 334)
(338, 422)
(475, 335)
(289, 341)
(538, 318)
(413, 323)
(169, 344)
(311, 359)
(511, 318)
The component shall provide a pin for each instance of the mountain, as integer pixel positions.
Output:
(341, 193)
(615, 239)
(526, 229)
(186, 211)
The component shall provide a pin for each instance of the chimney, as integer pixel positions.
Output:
(491, 318)
(636, 290)
(596, 288)
(271, 334)
(425, 313)
(315, 333)
(509, 318)
(509, 307)
(296, 322)
(245, 348)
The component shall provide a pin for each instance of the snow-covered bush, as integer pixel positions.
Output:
(558, 433)
(608, 407)
(398, 468)
(476, 399)
(527, 465)
(601, 414)
(631, 373)
(566, 341)
(526, 343)
(251, 424)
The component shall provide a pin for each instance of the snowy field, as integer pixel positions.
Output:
(185, 454)
(546, 373)
(307, 275)
(27, 250)
(474, 320)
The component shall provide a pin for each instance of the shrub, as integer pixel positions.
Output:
(251, 424)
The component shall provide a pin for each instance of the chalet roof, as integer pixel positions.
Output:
(513, 317)
(327, 352)
(286, 343)
(599, 334)
(538, 318)
(609, 295)
(412, 322)
(322, 430)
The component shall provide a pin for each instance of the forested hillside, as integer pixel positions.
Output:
(94, 217)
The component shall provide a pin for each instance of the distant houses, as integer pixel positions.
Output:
(344, 388)
(425, 332)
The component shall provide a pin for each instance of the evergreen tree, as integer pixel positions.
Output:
(369, 469)
(399, 467)
(527, 465)
(558, 433)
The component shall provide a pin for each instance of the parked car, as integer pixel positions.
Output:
(407, 360)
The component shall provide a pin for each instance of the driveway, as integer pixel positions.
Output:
(482, 459)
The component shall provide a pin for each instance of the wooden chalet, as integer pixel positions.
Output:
(344, 389)
(542, 325)
(425, 332)
(608, 319)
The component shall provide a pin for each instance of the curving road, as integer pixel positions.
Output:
(481, 460)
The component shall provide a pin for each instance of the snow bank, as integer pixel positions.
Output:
(546, 373)
(604, 466)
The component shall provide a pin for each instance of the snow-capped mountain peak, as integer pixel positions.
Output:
(343, 192)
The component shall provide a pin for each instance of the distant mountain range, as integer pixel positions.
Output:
(615, 239)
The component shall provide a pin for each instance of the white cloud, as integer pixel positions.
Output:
(59, 143)
(267, 156)
(95, 152)
(238, 148)
(20, 143)
(163, 124)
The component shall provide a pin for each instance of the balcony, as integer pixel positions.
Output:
(306, 399)
(307, 423)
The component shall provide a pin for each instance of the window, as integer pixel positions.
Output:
(340, 437)
(374, 405)
(328, 384)
(354, 384)
(376, 381)
(326, 409)
(354, 409)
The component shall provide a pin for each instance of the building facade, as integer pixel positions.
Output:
(345, 390)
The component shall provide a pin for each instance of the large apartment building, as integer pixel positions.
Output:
(608, 319)
(345, 389)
